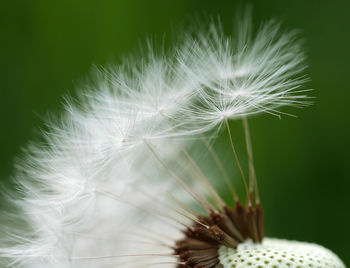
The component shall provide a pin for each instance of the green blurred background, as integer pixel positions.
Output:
(47, 47)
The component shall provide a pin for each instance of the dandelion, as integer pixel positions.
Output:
(129, 176)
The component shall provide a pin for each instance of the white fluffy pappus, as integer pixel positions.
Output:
(123, 178)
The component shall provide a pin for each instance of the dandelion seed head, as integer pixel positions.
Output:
(120, 181)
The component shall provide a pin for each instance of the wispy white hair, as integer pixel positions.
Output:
(94, 185)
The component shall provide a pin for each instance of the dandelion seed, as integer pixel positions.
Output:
(124, 179)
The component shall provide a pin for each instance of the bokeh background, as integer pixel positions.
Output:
(47, 47)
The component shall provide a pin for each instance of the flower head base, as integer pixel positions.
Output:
(277, 253)
(122, 180)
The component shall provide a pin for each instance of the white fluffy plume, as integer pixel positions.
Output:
(112, 183)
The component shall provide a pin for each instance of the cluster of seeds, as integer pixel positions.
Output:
(227, 228)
